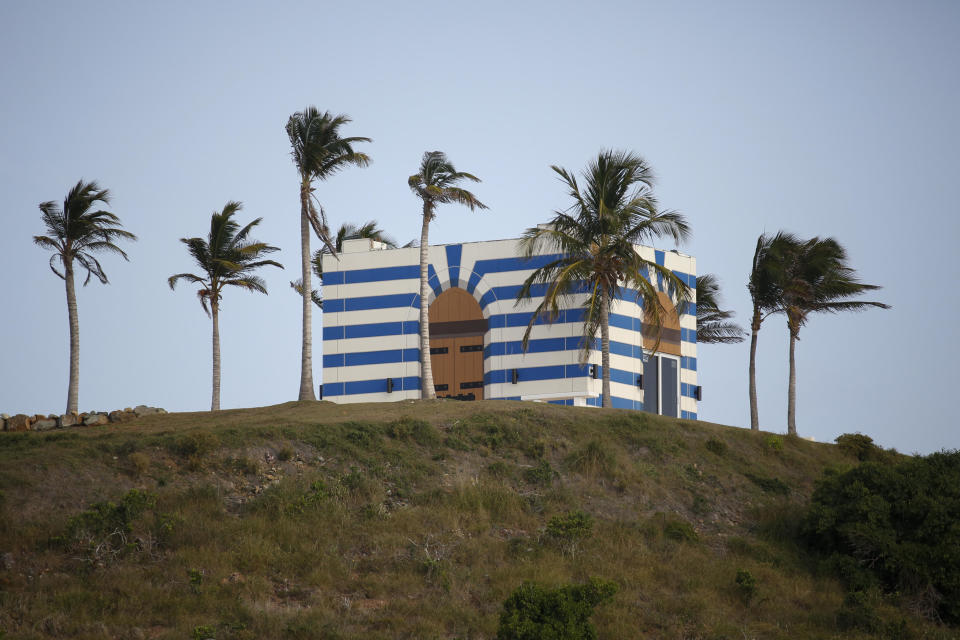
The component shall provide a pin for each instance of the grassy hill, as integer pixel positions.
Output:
(409, 520)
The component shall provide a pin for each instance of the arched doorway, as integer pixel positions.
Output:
(457, 327)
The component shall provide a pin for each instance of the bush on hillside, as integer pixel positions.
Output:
(860, 447)
(899, 522)
(535, 612)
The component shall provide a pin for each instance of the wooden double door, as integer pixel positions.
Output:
(457, 328)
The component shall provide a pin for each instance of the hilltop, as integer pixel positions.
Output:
(409, 520)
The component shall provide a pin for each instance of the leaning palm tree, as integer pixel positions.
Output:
(318, 152)
(228, 257)
(815, 278)
(596, 238)
(346, 231)
(713, 323)
(767, 298)
(435, 184)
(75, 233)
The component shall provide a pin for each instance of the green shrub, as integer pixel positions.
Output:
(900, 520)
(194, 445)
(773, 443)
(196, 579)
(284, 454)
(567, 531)
(542, 474)
(420, 431)
(718, 447)
(746, 585)
(859, 446)
(679, 530)
(535, 612)
(204, 632)
(857, 613)
(769, 485)
(364, 436)
(499, 469)
(103, 532)
(594, 458)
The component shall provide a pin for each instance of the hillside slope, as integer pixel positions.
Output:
(407, 520)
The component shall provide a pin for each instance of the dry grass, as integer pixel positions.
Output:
(410, 520)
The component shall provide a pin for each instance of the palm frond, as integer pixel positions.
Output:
(595, 237)
(228, 256)
(75, 231)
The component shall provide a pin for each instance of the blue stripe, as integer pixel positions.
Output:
(410, 383)
(378, 274)
(432, 280)
(454, 255)
(382, 357)
(659, 257)
(385, 356)
(372, 330)
(382, 329)
(543, 345)
(499, 265)
(366, 303)
(332, 360)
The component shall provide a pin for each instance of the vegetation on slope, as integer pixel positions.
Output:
(414, 520)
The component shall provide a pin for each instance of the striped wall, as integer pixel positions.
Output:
(370, 327)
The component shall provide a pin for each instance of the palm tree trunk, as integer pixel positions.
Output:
(306, 354)
(754, 413)
(215, 314)
(605, 348)
(426, 370)
(73, 388)
(792, 388)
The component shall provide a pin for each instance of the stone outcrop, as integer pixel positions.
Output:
(67, 420)
(122, 416)
(19, 422)
(95, 419)
(23, 422)
(44, 424)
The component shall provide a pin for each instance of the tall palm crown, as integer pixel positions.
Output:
(228, 257)
(596, 237)
(435, 184)
(814, 277)
(713, 323)
(318, 152)
(75, 232)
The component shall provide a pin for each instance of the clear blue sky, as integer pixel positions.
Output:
(822, 118)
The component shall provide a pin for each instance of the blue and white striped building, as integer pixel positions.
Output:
(370, 332)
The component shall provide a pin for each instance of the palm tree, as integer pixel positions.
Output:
(228, 257)
(815, 278)
(75, 233)
(435, 184)
(766, 295)
(318, 152)
(713, 324)
(345, 232)
(596, 237)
